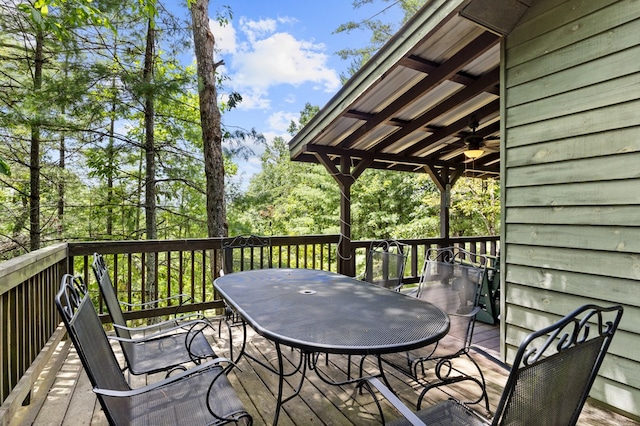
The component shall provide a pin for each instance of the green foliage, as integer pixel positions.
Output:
(76, 13)
(380, 31)
(305, 116)
(4, 168)
(384, 205)
(88, 110)
(288, 198)
(285, 198)
(475, 207)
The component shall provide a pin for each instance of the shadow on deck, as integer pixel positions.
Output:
(70, 401)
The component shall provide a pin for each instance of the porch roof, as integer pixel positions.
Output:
(412, 105)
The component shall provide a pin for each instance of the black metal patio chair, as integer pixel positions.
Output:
(385, 265)
(171, 343)
(549, 380)
(452, 282)
(246, 252)
(199, 396)
(114, 305)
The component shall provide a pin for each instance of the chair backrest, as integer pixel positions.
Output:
(386, 261)
(246, 252)
(555, 367)
(455, 288)
(109, 294)
(88, 337)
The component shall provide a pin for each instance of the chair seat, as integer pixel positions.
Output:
(162, 354)
(184, 402)
(446, 413)
(163, 346)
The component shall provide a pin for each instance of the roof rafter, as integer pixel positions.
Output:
(489, 109)
(451, 67)
(488, 80)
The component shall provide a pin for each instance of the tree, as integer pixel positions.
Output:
(4, 168)
(286, 198)
(91, 111)
(381, 31)
(204, 43)
(475, 207)
(383, 203)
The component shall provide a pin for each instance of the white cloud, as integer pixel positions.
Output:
(254, 98)
(280, 121)
(268, 58)
(281, 59)
(254, 30)
(225, 37)
(287, 20)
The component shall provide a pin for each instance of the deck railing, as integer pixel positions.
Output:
(29, 322)
(28, 319)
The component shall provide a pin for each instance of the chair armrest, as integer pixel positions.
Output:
(491, 358)
(178, 322)
(186, 317)
(395, 401)
(151, 302)
(171, 379)
(470, 314)
(186, 327)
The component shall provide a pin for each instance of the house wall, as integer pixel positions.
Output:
(571, 176)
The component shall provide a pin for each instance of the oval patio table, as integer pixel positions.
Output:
(325, 312)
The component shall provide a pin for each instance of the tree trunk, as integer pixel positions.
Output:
(150, 153)
(62, 154)
(110, 160)
(34, 162)
(61, 186)
(210, 119)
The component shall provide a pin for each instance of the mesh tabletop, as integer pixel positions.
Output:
(322, 311)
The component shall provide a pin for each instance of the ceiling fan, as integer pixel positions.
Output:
(476, 145)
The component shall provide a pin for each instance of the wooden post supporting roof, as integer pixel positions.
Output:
(444, 180)
(345, 177)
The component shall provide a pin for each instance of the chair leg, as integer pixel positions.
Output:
(444, 369)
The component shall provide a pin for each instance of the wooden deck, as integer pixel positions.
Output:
(69, 400)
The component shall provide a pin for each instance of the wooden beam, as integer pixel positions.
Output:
(490, 79)
(366, 155)
(435, 177)
(467, 54)
(346, 263)
(336, 174)
(361, 167)
(382, 161)
(345, 177)
(491, 108)
(426, 66)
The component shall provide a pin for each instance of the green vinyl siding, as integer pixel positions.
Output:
(571, 176)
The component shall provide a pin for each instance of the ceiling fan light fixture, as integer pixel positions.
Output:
(473, 149)
(473, 153)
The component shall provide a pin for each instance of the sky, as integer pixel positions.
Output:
(280, 55)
